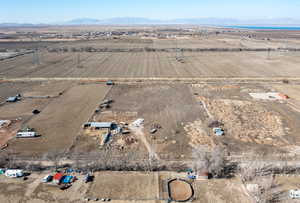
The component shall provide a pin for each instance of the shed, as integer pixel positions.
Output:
(67, 179)
(57, 178)
(203, 175)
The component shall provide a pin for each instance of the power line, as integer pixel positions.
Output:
(35, 57)
(78, 60)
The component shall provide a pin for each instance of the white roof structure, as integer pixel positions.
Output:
(267, 96)
(100, 124)
(26, 134)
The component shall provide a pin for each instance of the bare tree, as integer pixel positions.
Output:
(12, 162)
(55, 157)
(212, 162)
(201, 158)
(4, 159)
(218, 162)
(266, 191)
(255, 168)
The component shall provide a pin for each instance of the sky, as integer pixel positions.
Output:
(50, 11)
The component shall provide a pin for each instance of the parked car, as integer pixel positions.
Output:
(110, 82)
(47, 179)
(88, 178)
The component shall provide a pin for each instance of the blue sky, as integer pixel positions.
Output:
(46, 11)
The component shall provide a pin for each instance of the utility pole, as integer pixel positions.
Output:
(35, 57)
(78, 60)
(179, 53)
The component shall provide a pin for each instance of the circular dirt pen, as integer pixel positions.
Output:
(180, 190)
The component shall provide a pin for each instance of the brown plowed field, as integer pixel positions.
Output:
(60, 122)
(155, 64)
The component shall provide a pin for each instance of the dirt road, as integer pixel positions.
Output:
(255, 80)
(140, 134)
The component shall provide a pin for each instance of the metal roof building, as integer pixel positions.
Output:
(99, 124)
(26, 134)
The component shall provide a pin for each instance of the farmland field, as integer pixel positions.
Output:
(60, 121)
(155, 64)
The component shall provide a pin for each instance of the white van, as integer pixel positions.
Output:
(14, 173)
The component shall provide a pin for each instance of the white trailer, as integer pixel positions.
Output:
(12, 173)
(26, 134)
(295, 194)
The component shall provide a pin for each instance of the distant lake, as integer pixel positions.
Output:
(263, 28)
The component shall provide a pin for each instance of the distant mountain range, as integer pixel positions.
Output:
(196, 21)
(146, 21)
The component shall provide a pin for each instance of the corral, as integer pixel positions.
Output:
(180, 190)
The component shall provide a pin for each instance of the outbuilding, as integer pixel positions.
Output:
(57, 178)
(99, 125)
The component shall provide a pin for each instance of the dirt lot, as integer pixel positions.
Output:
(60, 121)
(12, 89)
(249, 124)
(127, 186)
(35, 95)
(220, 191)
(170, 106)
